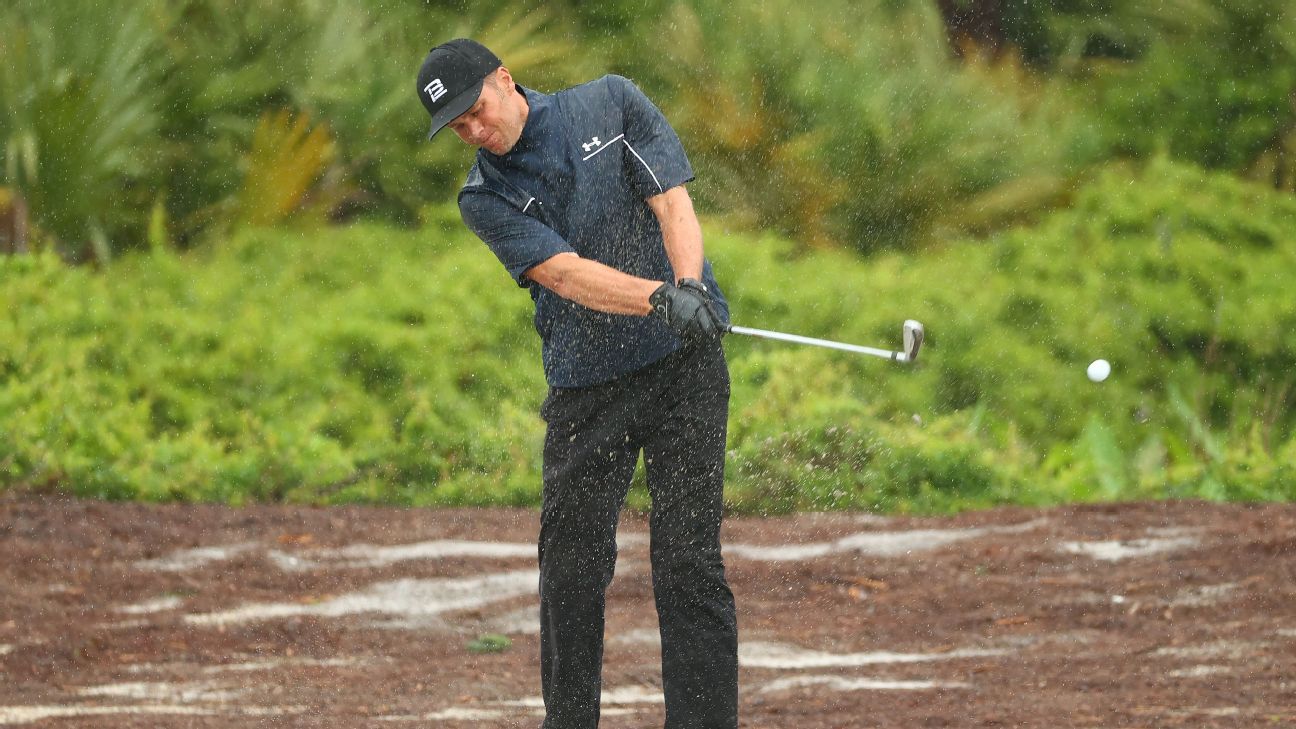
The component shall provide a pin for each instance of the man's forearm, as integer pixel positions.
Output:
(681, 232)
(595, 285)
(603, 288)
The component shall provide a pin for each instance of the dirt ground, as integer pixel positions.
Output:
(1134, 615)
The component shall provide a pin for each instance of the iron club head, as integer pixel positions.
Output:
(913, 339)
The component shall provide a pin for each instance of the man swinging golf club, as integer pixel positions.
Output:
(580, 194)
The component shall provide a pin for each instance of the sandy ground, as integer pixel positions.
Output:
(1134, 615)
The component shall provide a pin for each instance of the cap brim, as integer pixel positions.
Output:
(456, 106)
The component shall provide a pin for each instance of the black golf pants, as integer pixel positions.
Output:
(675, 411)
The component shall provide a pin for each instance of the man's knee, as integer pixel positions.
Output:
(696, 568)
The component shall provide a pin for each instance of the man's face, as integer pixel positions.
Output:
(495, 122)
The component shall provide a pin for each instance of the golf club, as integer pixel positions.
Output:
(913, 339)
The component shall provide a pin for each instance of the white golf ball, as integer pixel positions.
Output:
(1099, 369)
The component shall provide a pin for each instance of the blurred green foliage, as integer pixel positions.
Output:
(80, 112)
(1173, 275)
(851, 122)
(1039, 201)
(1213, 82)
(279, 367)
(357, 365)
(833, 123)
(112, 107)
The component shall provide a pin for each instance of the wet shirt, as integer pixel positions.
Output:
(577, 181)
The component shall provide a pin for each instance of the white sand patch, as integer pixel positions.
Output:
(279, 663)
(1219, 649)
(1117, 550)
(613, 697)
(643, 636)
(1220, 712)
(161, 604)
(894, 544)
(290, 562)
(30, 714)
(877, 544)
(634, 695)
(128, 624)
(192, 559)
(270, 664)
(5, 649)
(184, 693)
(762, 553)
(474, 714)
(462, 715)
(523, 621)
(1203, 596)
(265, 710)
(1287, 632)
(365, 556)
(407, 598)
(838, 683)
(360, 556)
(11, 715)
(782, 656)
(1199, 672)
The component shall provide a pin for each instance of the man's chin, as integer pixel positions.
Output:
(497, 145)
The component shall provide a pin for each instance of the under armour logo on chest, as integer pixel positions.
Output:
(596, 146)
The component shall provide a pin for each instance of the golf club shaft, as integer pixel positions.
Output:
(798, 339)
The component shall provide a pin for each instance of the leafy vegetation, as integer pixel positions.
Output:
(863, 127)
(110, 111)
(1218, 78)
(79, 113)
(1169, 273)
(1034, 190)
(362, 364)
(833, 123)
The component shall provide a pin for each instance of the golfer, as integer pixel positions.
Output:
(580, 194)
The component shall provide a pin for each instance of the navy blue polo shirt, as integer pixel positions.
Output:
(577, 181)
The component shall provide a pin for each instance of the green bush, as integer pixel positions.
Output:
(830, 123)
(80, 112)
(1219, 95)
(381, 365)
(178, 113)
(1207, 81)
(851, 123)
(1175, 276)
(278, 368)
(817, 443)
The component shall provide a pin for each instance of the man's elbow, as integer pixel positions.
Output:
(555, 274)
(674, 208)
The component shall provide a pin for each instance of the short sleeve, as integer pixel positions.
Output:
(656, 161)
(519, 241)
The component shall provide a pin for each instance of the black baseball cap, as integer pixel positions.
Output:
(451, 77)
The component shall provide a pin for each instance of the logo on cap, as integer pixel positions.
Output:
(435, 90)
(451, 77)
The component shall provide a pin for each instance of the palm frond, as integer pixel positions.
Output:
(78, 114)
(287, 158)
